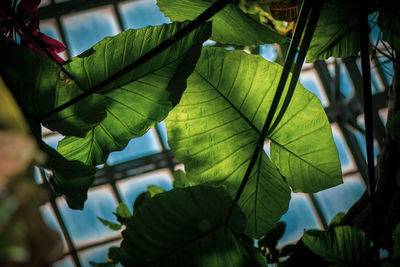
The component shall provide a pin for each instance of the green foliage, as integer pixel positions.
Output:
(154, 190)
(37, 86)
(337, 32)
(394, 124)
(70, 177)
(230, 25)
(111, 225)
(344, 245)
(180, 179)
(389, 23)
(396, 243)
(215, 128)
(196, 236)
(139, 99)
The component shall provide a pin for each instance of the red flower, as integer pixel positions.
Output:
(25, 11)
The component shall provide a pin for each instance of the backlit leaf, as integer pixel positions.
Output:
(230, 25)
(139, 99)
(185, 227)
(215, 128)
(336, 34)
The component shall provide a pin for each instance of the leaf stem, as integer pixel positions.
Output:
(300, 25)
(191, 26)
(366, 75)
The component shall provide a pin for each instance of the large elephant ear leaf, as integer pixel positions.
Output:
(215, 128)
(70, 177)
(186, 227)
(389, 23)
(36, 83)
(141, 97)
(344, 245)
(230, 25)
(336, 34)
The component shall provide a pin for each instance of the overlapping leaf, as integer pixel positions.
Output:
(389, 23)
(139, 99)
(186, 227)
(344, 245)
(215, 128)
(230, 25)
(36, 84)
(336, 34)
(70, 177)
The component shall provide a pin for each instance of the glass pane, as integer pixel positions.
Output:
(131, 188)
(268, 52)
(387, 68)
(145, 145)
(83, 225)
(346, 87)
(84, 29)
(346, 160)
(139, 14)
(51, 220)
(98, 254)
(66, 262)
(341, 197)
(310, 81)
(52, 140)
(299, 217)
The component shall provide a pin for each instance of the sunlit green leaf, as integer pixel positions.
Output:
(123, 211)
(71, 177)
(336, 220)
(215, 128)
(36, 84)
(344, 245)
(389, 23)
(336, 34)
(111, 225)
(180, 179)
(230, 25)
(154, 190)
(185, 227)
(139, 99)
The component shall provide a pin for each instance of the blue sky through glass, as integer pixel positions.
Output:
(145, 145)
(341, 197)
(85, 29)
(87, 227)
(139, 14)
(299, 217)
(130, 189)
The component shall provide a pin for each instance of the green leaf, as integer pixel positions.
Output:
(143, 197)
(139, 99)
(394, 124)
(336, 34)
(336, 220)
(185, 227)
(154, 190)
(389, 23)
(11, 116)
(341, 245)
(230, 25)
(70, 177)
(215, 128)
(272, 237)
(123, 211)
(180, 179)
(396, 243)
(111, 225)
(36, 84)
